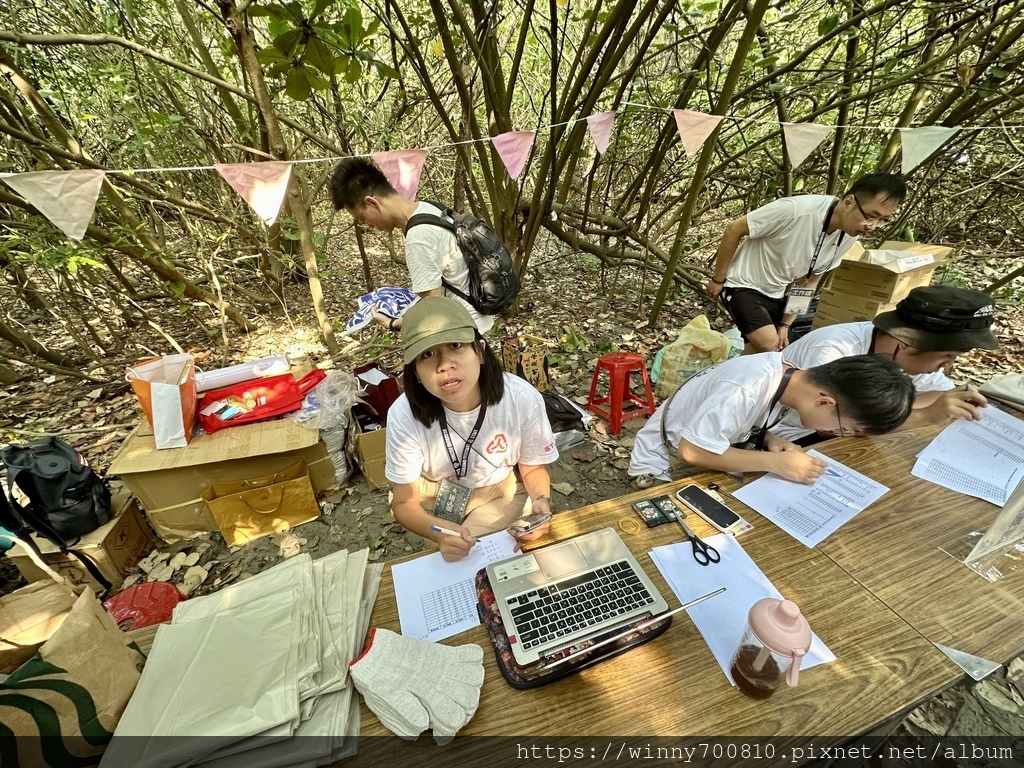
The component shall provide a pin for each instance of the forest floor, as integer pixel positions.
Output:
(567, 301)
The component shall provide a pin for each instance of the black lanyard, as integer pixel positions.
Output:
(759, 445)
(874, 338)
(821, 238)
(461, 467)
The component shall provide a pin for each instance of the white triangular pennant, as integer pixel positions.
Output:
(694, 128)
(802, 139)
(66, 198)
(920, 143)
(600, 126)
(261, 185)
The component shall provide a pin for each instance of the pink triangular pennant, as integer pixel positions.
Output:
(601, 129)
(694, 128)
(66, 198)
(403, 168)
(802, 139)
(513, 148)
(261, 185)
(920, 143)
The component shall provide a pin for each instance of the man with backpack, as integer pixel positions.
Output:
(447, 253)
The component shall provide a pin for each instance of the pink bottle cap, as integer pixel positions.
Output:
(782, 629)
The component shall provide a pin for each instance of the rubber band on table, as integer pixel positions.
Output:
(629, 525)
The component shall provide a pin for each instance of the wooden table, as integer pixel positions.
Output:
(892, 549)
(673, 686)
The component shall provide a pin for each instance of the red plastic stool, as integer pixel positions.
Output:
(620, 367)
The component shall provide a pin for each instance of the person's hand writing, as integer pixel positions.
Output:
(775, 444)
(798, 466)
(956, 404)
(453, 547)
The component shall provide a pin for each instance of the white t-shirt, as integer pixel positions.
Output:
(431, 254)
(831, 343)
(781, 244)
(515, 430)
(725, 404)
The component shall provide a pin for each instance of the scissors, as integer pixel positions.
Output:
(703, 552)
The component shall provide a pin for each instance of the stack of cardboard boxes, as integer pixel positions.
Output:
(858, 290)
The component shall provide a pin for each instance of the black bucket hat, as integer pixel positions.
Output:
(941, 318)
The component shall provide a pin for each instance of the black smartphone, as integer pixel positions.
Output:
(708, 507)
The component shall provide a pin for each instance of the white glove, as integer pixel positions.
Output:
(413, 684)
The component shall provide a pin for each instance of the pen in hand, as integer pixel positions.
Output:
(446, 531)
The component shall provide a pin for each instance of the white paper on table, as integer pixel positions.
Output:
(723, 619)
(437, 599)
(982, 458)
(812, 513)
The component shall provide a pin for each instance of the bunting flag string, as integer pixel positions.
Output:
(694, 128)
(600, 126)
(403, 169)
(68, 198)
(513, 149)
(802, 139)
(261, 185)
(919, 143)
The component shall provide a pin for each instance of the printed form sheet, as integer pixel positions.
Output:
(979, 458)
(812, 513)
(437, 599)
(722, 620)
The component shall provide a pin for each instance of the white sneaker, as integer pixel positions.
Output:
(645, 481)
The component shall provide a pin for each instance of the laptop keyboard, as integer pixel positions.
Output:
(567, 606)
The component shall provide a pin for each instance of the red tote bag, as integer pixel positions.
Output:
(265, 398)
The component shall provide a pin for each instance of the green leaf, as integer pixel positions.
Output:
(354, 72)
(827, 24)
(386, 70)
(297, 85)
(178, 289)
(708, 7)
(288, 42)
(319, 56)
(270, 56)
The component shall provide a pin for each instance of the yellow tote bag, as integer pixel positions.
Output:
(247, 509)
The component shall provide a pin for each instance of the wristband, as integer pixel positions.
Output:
(391, 323)
(783, 325)
(718, 282)
(543, 497)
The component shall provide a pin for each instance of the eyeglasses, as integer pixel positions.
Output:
(883, 220)
(842, 431)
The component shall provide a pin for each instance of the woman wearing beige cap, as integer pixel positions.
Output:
(458, 433)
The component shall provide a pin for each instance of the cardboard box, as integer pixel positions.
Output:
(114, 547)
(169, 483)
(858, 291)
(840, 308)
(367, 446)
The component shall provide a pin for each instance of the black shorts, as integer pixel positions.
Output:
(752, 310)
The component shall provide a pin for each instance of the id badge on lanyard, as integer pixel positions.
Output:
(798, 300)
(452, 496)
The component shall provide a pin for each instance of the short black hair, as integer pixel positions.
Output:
(871, 390)
(427, 408)
(356, 177)
(888, 184)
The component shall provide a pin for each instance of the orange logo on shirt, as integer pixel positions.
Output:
(499, 444)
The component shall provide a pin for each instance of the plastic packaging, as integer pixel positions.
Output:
(326, 406)
(235, 374)
(696, 348)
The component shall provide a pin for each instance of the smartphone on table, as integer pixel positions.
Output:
(712, 510)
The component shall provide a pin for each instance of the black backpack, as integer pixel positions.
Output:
(66, 498)
(561, 413)
(493, 278)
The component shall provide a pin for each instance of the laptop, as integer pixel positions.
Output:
(553, 598)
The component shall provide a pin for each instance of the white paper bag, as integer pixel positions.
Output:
(166, 388)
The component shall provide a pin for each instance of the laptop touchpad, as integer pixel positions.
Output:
(560, 560)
